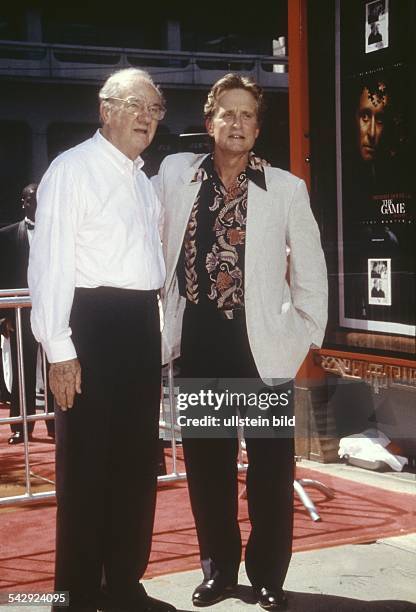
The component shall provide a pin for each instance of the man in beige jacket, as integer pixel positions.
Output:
(230, 313)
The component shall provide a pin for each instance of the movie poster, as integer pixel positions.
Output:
(376, 25)
(376, 209)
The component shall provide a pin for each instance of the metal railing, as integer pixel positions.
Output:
(18, 299)
(181, 69)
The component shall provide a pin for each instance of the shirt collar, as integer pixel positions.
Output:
(122, 161)
(254, 170)
(207, 166)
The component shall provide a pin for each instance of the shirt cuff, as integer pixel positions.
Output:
(60, 350)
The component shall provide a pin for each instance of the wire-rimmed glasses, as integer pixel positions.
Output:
(136, 107)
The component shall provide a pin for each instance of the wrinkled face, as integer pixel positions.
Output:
(370, 120)
(131, 132)
(234, 125)
(29, 201)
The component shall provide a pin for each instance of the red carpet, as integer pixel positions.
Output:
(358, 514)
(42, 459)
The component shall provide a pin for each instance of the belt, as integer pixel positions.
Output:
(236, 313)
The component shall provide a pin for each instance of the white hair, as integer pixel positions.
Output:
(116, 83)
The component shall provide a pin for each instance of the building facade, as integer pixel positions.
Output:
(53, 58)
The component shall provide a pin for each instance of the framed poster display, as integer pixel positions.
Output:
(375, 172)
(377, 25)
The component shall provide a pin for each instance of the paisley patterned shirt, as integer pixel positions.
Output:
(211, 263)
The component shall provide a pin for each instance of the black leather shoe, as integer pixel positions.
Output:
(211, 591)
(17, 438)
(271, 600)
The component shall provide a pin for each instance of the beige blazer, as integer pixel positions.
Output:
(283, 321)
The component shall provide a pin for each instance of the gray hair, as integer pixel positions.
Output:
(117, 82)
(234, 81)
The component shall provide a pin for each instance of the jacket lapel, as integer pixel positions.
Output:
(177, 216)
(258, 213)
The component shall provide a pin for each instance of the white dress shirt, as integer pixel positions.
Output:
(96, 225)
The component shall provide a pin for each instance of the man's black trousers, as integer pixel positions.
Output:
(107, 448)
(216, 347)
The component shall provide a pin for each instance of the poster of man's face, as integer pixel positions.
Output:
(370, 119)
(376, 26)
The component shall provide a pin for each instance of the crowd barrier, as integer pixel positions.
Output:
(168, 427)
(169, 430)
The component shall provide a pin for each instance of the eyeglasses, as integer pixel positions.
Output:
(136, 107)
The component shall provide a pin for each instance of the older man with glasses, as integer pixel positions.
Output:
(95, 269)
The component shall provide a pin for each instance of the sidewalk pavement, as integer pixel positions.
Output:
(379, 577)
(345, 578)
(375, 577)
